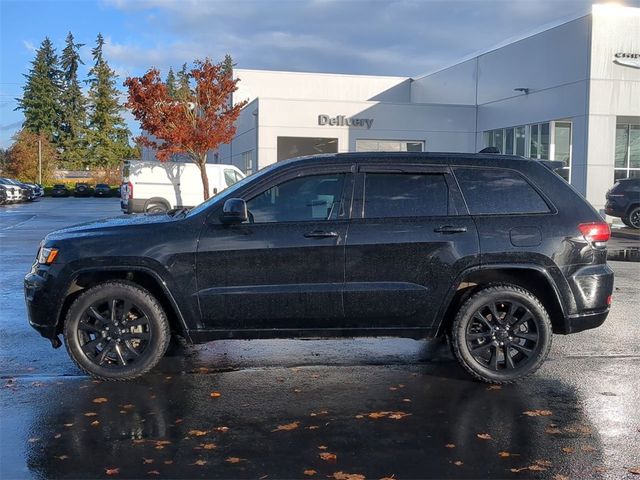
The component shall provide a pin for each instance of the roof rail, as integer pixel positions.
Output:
(553, 164)
(490, 150)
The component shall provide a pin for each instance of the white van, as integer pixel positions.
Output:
(154, 187)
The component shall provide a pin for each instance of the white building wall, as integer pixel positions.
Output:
(614, 90)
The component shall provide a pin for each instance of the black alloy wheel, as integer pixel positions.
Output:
(501, 334)
(116, 330)
(634, 218)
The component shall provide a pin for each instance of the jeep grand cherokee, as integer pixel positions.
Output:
(498, 252)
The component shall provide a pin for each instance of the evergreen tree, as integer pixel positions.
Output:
(41, 93)
(170, 82)
(183, 87)
(73, 114)
(108, 134)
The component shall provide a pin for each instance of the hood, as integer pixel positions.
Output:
(107, 226)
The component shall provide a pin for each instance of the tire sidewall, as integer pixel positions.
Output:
(144, 300)
(495, 294)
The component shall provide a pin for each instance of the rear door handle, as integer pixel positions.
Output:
(320, 234)
(450, 229)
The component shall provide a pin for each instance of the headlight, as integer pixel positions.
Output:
(47, 255)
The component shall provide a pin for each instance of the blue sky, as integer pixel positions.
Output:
(386, 37)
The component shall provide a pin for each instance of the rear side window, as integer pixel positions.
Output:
(496, 191)
(405, 195)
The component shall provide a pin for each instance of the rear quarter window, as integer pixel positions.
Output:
(498, 191)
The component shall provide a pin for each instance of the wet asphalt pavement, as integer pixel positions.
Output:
(393, 408)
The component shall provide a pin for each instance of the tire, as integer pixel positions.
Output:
(119, 346)
(633, 218)
(506, 347)
(625, 220)
(155, 206)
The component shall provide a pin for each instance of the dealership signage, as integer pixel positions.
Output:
(344, 121)
(627, 59)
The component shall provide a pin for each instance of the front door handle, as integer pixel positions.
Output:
(320, 234)
(450, 229)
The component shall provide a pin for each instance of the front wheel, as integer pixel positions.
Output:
(116, 331)
(501, 334)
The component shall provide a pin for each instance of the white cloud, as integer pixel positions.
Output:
(29, 45)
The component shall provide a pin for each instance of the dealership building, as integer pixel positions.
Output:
(569, 93)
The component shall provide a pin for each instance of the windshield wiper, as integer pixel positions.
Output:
(176, 212)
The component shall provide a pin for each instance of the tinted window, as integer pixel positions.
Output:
(494, 191)
(405, 195)
(302, 199)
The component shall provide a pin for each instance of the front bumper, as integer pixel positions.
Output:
(43, 303)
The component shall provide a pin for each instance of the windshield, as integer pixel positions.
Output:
(228, 192)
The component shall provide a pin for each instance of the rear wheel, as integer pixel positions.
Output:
(501, 334)
(633, 220)
(116, 331)
(156, 206)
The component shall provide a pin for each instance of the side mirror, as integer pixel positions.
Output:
(234, 211)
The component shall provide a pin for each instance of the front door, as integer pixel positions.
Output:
(410, 236)
(284, 268)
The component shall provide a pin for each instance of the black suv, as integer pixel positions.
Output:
(495, 251)
(623, 201)
(82, 190)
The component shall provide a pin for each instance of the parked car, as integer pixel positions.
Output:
(13, 192)
(27, 194)
(497, 252)
(60, 190)
(623, 201)
(82, 190)
(154, 187)
(38, 190)
(3, 195)
(102, 190)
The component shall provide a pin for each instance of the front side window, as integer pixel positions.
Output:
(311, 198)
(497, 191)
(405, 195)
(231, 177)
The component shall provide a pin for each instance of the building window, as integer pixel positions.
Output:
(541, 141)
(370, 145)
(247, 162)
(627, 156)
(290, 147)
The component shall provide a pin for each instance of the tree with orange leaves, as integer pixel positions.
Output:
(197, 118)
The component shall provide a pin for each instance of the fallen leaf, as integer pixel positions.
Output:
(398, 415)
(568, 449)
(296, 390)
(322, 447)
(313, 427)
(537, 468)
(450, 445)
(552, 430)
(33, 440)
(309, 473)
(208, 446)
(458, 463)
(100, 400)
(233, 459)
(406, 400)
(153, 472)
(286, 427)
(90, 414)
(328, 457)
(197, 433)
(199, 462)
(62, 457)
(221, 429)
(95, 423)
(215, 394)
(484, 436)
(544, 463)
(347, 476)
(634, 470)
(557, 476)
(494, 387)
(504, 454)
(138, 440)
(112, 471)
(392, 388)
(538, 413)
(57, 435)
(587, 448)
(359, 416)
(128, 406)
(147, 460)
(68, 425)
(168, 462)
(392, 477)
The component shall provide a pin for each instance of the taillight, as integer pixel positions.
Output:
(130, 189)
(596, 233)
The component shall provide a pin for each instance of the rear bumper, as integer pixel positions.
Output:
(585, 321)
(132, 206)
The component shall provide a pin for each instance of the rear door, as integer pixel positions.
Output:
(410, 237)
